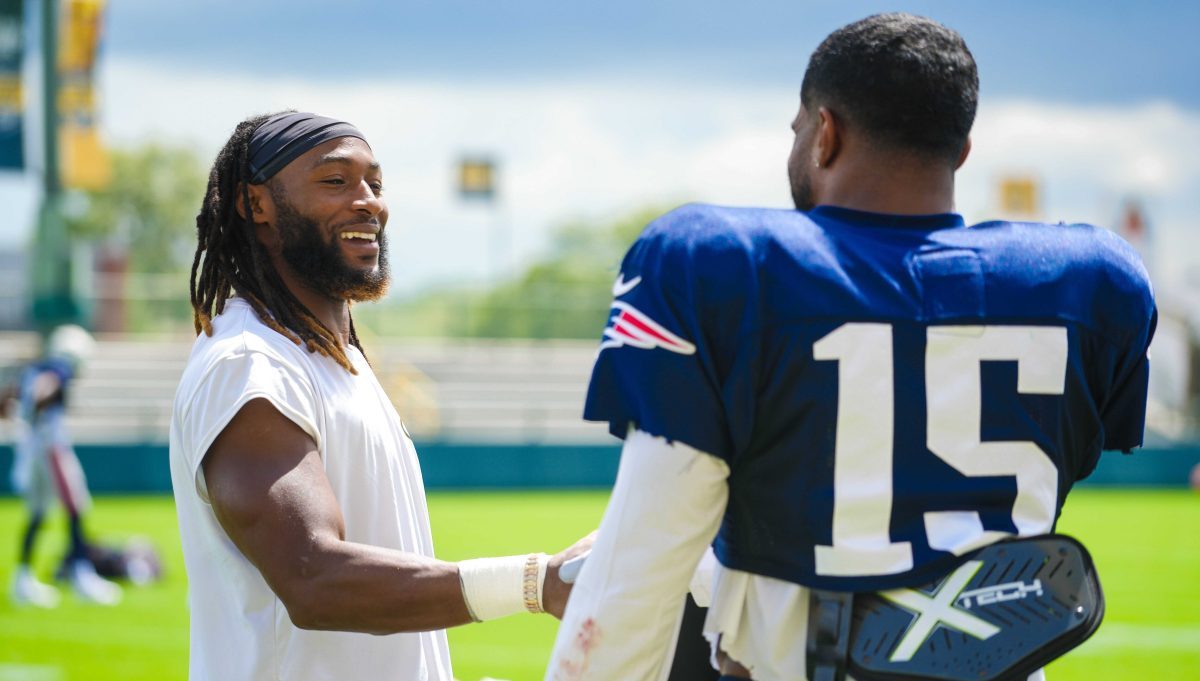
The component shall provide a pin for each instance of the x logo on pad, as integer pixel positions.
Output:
(938, 609)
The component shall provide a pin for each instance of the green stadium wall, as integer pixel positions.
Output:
(143, 468)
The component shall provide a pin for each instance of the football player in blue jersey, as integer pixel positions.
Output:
(854, 395)
(45, 467)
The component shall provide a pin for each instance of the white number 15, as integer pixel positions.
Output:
(862, 476)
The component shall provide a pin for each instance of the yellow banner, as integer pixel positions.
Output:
(85, 162)
(79, 35)
(83, 159)
(76, 102)
(12, 98)
(1020, 198)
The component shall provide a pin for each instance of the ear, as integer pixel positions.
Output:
(828, 142)
(962, 157)
(262, 206)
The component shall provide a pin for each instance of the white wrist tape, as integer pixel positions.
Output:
(498, 587)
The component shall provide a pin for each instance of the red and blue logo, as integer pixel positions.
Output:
(630, 326)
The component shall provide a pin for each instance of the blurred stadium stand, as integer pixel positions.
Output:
(458, 391)
(509, 392)
(484, 414)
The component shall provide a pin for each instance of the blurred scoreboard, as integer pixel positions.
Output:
(1020, 198)
(477, 177)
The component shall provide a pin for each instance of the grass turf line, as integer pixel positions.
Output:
(1146, 545)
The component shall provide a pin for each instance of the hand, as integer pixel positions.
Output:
(554, 590)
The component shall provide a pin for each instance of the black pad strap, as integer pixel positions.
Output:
(829, 615)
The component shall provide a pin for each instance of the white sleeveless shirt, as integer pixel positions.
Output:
(239, 629)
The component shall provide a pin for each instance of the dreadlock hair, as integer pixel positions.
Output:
(229, 258)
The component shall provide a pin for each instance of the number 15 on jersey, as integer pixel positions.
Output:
(865, 433)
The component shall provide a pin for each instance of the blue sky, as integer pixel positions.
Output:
(596, 109)
(1064, 50)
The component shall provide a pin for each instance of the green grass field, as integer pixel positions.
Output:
(1146, 544)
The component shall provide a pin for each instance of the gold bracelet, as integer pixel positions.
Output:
(530, 586)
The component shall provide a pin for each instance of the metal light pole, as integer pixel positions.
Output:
(477, 184)
(53, 299)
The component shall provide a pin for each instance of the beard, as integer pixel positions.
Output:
(802, 194)
(800, 183)
(320, 263)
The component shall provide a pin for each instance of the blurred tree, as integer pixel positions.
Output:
(149, 208)
(141, 228)
(567, 294)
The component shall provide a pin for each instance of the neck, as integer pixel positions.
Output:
(898, 186)
(333, 313)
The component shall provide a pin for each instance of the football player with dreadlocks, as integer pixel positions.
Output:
(299, 495)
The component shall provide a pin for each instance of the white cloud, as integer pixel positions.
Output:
(1141, 149)
(579, 149)
(1089, 161)
(564, 151)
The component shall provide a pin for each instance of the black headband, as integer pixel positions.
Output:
(285, 137)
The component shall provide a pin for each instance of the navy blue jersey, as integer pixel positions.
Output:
(888, 391)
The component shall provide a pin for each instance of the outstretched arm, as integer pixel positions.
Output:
(268, 488)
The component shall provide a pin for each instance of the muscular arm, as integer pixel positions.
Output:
(268, 489)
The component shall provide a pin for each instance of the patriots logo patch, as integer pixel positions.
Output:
(630, 326)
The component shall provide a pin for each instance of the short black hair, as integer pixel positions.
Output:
(907, 82)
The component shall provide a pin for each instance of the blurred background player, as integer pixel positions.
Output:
(45, 467)
(850, 395)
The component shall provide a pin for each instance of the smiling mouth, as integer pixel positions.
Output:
(366, 236)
